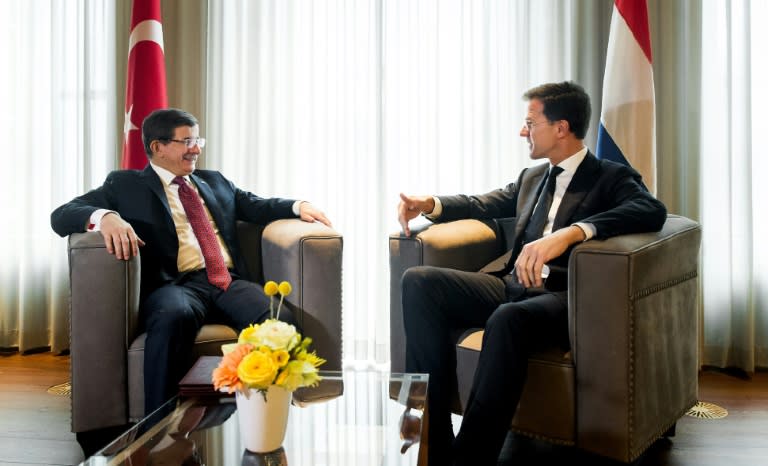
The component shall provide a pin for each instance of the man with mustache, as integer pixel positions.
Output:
(184, 222)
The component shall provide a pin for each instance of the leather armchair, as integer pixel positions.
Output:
(107, 350)
(631, 372)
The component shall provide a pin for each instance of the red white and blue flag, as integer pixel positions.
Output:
(145, 87)
(627, 132)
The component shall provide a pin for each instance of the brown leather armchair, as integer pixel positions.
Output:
(632, 369)
(107, 351)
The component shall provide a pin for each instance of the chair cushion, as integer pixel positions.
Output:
(547, 405)
(208, 343)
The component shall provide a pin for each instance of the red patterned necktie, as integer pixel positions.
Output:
(215, 267)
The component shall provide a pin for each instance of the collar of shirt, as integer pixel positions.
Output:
(165, 175)
(570, 164)
(569, 167)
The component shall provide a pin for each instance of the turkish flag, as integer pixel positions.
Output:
(145, 86)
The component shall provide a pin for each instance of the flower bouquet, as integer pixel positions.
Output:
(272, 353)
(271, 358)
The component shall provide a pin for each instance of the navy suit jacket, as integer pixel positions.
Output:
(609, 195)
(139, 198)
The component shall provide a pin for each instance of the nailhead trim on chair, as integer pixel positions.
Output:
(633, 452)
(546, 438)
(669, 283)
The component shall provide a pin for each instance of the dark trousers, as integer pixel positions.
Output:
(173, 315)
(438, 302)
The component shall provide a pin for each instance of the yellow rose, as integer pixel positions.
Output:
(257, 370)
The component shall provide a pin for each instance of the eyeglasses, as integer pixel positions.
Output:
(189, 142)
(530, 124)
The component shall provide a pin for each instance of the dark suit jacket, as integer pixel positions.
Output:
(139, 198)
(606, 194)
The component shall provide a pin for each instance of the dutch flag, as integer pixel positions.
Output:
(627, 132)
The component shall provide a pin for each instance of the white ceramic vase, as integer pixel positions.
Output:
(263, 424)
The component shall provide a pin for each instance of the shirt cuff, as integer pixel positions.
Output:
(94, 223)
(295, 208)
(588, 229)
(437, 210)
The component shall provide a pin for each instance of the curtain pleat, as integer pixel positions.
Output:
(58, 129)
(733, 96)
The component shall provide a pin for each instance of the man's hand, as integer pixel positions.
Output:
(310, 213)
(534, 255)
(119, 237)
(411, 207)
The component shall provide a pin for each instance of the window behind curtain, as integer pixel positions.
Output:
(58, 88)
(346, 104)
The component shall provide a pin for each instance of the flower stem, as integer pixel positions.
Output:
(279, 305)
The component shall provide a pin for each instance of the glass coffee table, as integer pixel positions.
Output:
(351, 418)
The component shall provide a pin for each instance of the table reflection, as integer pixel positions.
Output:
(349, 419)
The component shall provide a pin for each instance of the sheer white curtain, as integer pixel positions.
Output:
(347, 104)
(733, 193)
(58, 136)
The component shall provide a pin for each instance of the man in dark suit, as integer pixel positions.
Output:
(573, 198)
(184, 222)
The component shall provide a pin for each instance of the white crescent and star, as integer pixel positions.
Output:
(128, 126)
(150, 30)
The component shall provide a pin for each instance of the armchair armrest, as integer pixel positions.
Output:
(309, 256)
(104, 306)
(462, 244)
(633, 317)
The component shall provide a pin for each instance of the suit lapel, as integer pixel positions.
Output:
(153, 182)
(581, 184)
(531, 189)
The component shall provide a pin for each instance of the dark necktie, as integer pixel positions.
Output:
(538, 220)
(218, 275)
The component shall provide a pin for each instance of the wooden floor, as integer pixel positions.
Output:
(34, 425)
(739, 439)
